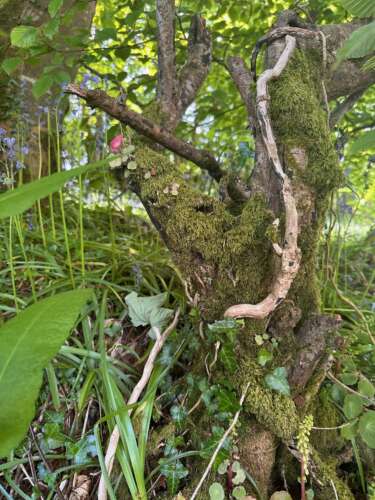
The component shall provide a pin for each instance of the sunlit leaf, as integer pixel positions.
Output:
(24, 36)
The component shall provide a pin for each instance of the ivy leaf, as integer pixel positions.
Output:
(178, 413)
(27, 343)
(228, 358)
(367, 428)
(42, 85)
(24, 36)
(216, 492)
(277, 381)
(10, 64)
(54, 6)
(173, 473)
(353, 406)
(145, 311)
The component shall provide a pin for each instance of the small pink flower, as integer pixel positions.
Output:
(116, 143)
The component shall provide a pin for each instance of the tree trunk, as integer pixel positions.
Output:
(228, 249)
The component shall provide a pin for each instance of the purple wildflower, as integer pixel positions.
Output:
(25, 150)
(2, 131)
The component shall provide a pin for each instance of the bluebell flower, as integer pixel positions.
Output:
(2, 131)
(9, 142)
(19, 165)
(95, 79)
(25, 150)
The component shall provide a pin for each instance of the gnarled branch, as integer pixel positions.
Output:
(291, 254)
(147, 128)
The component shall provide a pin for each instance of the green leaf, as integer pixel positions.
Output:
(216, 492)
(360, 8)
(281, 495)
(42, 85)
(365, 142)
(173, 472)
(367, 428)
(277, 381)
(51, 28)
(27, 343)
(10, 64)
(24, 36)
(147, 310)
(264, 356)
(353, 406)
(228, 357)
(61, 77)
(360, 43)
(239, 492)
(54, 6)
(349, 378)
(18, 200)
(366, 388)
(350, 431)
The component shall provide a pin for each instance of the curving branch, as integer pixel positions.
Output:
(147, 128)
(341, 109)
(166, 90)
(291, 254)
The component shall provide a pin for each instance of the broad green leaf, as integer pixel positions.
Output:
(353, 406)
(216, 492)
(42, 85)
(337, 393)
(145, 311)
(360, 43)
(27, 343)
(277, 381)
(349, 378)
(228, 357)
(367, 428)
(366, 388)
(360, 8)
(18, 200)
(350, 431)
(54, 6)
(11, 64)
(24, 36)
(365, 142)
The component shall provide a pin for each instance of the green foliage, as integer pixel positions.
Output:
(54, 6)
(360, 43)
(16, 201)
(277, 380)
(360, 8)
(148, 310)
(10, 64)
(216, 492)
(24, 36)
(365, 142)
(27, 343)
(367, 428)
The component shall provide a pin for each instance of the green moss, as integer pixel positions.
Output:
(326, 415)
(326, 473)
(271, 409)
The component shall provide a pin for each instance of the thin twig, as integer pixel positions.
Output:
(220, 444)
(137, 391)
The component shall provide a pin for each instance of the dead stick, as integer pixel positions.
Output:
(137, 391)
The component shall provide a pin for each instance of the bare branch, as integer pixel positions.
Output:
(344, 107)
(197, 65)
(291, 254)
(242, 78)
(137, 391)
(147, 128)
(165, 13)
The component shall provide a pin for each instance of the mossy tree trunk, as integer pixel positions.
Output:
(225, 248)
